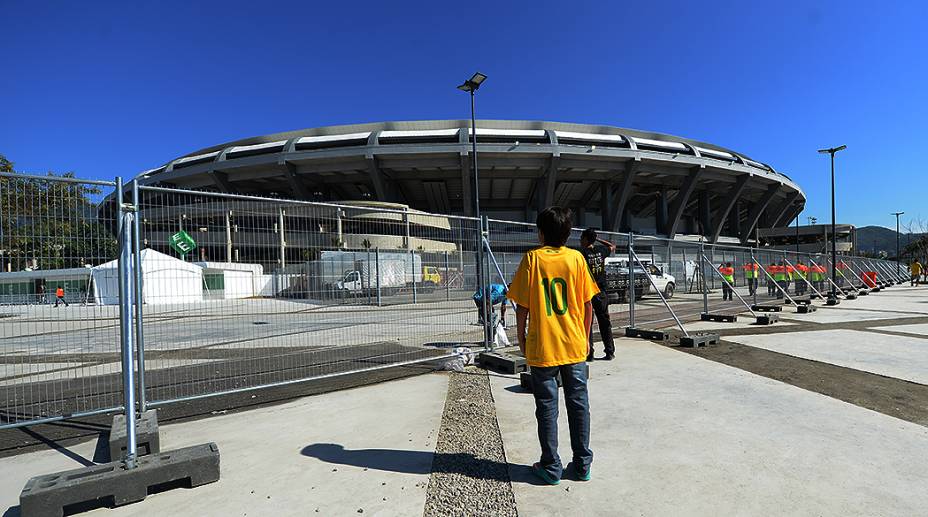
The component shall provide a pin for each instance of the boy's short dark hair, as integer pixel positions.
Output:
(554, 223)
(589, 235)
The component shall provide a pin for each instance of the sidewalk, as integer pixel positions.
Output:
(673, 434)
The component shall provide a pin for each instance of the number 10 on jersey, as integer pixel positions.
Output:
(555, 299)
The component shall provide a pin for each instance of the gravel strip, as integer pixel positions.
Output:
(470, 475)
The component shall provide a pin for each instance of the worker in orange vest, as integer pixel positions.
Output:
(59, 297)
(818, 277)
(839, 273)
(802, 275)
(728, 273)
(790, 275)
(771, 282)
(750, 275)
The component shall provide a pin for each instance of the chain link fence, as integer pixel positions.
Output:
(237, 292)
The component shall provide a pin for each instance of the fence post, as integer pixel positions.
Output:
(412, 260)
(376, 275)
(447, 277)
(125, 323)
(702, 275)
(631, 282)
(283, 241)
(139, 327)
(484, 268)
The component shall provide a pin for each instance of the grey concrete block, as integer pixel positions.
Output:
(502, 362)
(653, 335)
(805, 309)
(766, 308)
(728, 318)
(49, 495)
(768, 319)
(146, 435)
(851, 296)
(832, 301)
(694, 340)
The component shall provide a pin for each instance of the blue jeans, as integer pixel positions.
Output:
(577, 400)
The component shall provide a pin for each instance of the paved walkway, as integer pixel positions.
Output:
(673, 434)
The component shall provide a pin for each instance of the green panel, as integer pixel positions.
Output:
(17, 289)
(214, 282)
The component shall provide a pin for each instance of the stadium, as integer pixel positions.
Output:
(613, 178)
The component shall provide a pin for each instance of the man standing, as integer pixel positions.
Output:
(552, 290)
(916, 270)
(596, 261)
(59, 297)
(728, 273)
(750, 276)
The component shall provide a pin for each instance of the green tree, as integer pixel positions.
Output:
(50, 224)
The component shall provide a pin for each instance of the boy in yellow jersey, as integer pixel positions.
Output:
(552, 289)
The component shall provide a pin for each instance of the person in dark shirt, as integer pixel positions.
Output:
(596, 260)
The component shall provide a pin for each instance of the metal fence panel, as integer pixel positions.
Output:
(59, 333)
(292, 291)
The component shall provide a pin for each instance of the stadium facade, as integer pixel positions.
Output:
(613, 178)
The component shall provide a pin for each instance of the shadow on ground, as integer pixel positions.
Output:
(419, 462)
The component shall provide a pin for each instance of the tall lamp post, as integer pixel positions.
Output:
(897, 214)
(833, 296)
(471, 86)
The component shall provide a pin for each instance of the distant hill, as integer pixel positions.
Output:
(878, 238)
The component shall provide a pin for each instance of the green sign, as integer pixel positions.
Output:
(182, 243)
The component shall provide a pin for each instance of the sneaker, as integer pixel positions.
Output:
(609, 357)
(544, 476)
(584, 476)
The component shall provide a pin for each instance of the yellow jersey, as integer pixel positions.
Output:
(554, 284)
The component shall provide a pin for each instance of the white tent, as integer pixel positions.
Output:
(165, 279)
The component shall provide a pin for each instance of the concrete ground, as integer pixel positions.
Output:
(673, 434)
(365, 449)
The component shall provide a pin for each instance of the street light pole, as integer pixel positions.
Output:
(832, 299)
(471, 86)
(897, 214)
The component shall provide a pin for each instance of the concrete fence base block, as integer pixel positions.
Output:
(851, 296)
(766, 308)
(768, 319)
(113, 484)
(502, 362)
(865, 292)
(805, 309)
(695, 340)
(653, 335)
(146, 435)
(727, 318)
(832, 301)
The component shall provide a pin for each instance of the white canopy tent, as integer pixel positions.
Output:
(165, 279)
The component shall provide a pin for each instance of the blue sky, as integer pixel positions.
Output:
(112, 88)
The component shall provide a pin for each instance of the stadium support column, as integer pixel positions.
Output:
(679, 203)
(625, 192)
(605, 203)
(756, 211)
(730, 202)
